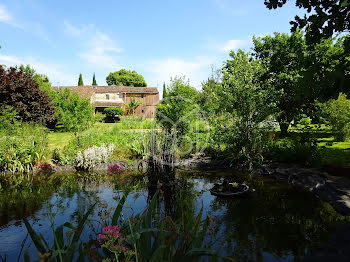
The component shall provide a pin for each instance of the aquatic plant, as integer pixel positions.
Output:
(113, 240)
(93, 156)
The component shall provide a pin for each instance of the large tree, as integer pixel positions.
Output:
(94, 83)
(22, 93)
(301, 74)
(325, 17)
(283, 57)
(125, 77)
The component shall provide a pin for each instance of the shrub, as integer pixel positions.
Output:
(23, 149)
(298, 149)
(113, 114)
(20, 91)
(9, 119)
(46, 169)
(93, 156)
(338, 115)
(115, 170)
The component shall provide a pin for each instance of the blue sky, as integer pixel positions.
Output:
(158, 39)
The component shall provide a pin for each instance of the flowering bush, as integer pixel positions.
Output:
(115, 170)
(93, 156)
(46, 169)
(115, 242)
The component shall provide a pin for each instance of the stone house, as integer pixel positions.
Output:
(119, 96)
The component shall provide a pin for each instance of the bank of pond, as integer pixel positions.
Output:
(274, 222)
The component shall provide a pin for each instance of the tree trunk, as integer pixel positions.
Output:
(284, 128)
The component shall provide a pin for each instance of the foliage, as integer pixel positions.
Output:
(179, 108)
(73, 113)
(9, 120)
(113, 114)
(65, 246)
(46, 169)
(21, 92)
(283, 57)
(301, 149)
(301, 74)
(325, 17)
(125, 77)
(93, 156)
(156, 239)
(23, 148)
(94, 83)
(115, 170)
(80, 81)
(238, 107)
(164, 91)
(338, 115)
(133, 104)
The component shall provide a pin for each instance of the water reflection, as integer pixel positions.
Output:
(275, 223)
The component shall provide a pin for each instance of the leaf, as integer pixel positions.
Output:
(35, 237)
(119, 209)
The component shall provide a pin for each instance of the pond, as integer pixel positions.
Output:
(277, 222)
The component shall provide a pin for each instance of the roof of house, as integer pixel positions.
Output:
(88, 91)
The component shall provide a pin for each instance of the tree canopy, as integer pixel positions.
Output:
(21, 92)
(94, 83)
(325, 17)
(125, 77)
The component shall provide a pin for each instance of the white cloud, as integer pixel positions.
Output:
(233, 44)
(4, 14)
(230, 7)
(7, 18)
(55, 72)
(99, 50)
(196, 70)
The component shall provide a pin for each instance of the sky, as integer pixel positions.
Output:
(158, 39)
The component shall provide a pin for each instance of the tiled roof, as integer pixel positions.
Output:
(88, 91)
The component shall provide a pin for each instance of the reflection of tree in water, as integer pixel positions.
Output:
(278, 220)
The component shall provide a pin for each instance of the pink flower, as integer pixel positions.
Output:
(114, 170)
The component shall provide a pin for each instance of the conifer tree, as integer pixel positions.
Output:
(80, 81)
(94, 83)
(164, 91)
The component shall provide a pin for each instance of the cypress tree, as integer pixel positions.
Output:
(80, 82)
(94, 83)
(164, 91)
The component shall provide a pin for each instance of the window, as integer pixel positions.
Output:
(107, 97)
(143, 111)
(141, 96)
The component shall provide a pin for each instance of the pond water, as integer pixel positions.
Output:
(277, 222)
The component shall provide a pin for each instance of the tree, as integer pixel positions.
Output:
(73, 113)
(178, 109)
(94, 83)
(283, 56)
(301, 74)
(325, 17)
(125, 77)
(133, 104)
(238, 106)
(19, 91)
(164, 91)
(80, 81)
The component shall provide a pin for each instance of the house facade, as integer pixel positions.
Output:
(102, 97)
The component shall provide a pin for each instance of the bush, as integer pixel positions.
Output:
(338, 115)
(21, 150)
(93, 156)
(113, 114)
(9, 120)
(298, 149)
